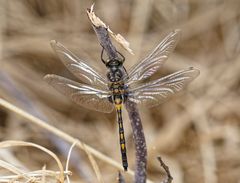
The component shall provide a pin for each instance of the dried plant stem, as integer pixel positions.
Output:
(68, 138)
(138, 134)
(11, 143)
(140, 142)
(61, 134)
(165, 167)
(120, 178)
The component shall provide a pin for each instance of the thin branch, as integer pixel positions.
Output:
(169, 178)
(120, 178)
(138, 134)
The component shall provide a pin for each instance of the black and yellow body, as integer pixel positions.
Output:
(123, 149)
(118, 98)
(119, 95)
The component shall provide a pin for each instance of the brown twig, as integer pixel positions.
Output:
(120, 178)
(169, 178)
(139, 140)
(138, 134)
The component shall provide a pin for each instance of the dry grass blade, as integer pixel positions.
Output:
(68, 159)
(12, 169)
(94, 165)
(63, 135)
(37, 175)
(43, 178)
(10, 143)
(57, 132)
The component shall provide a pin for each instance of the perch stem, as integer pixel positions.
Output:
(138, 134)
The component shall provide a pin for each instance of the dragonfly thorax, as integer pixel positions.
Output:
(115, 74)
(118, 91)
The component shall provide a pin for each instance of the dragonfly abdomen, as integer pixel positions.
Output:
(121, 136)
(118, 100)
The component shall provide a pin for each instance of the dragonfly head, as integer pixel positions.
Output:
(114, 63)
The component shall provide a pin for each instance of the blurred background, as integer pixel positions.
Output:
(197, 132)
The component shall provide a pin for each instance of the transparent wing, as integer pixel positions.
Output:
(84, 95)
(78, 67)
(158, 91)
(155, 60)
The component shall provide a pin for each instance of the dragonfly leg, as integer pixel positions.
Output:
(123, 58)
(104, 61)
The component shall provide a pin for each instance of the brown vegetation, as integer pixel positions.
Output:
(197, 133)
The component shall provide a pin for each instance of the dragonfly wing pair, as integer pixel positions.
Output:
(158, 91)
(84, 95)
(94, 94)
(148, 66)
(78, 67)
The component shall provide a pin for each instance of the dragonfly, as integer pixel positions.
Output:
(104, 93)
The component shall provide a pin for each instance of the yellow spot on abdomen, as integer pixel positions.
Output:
(118, 106)
(121, 135)
(123, 146)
